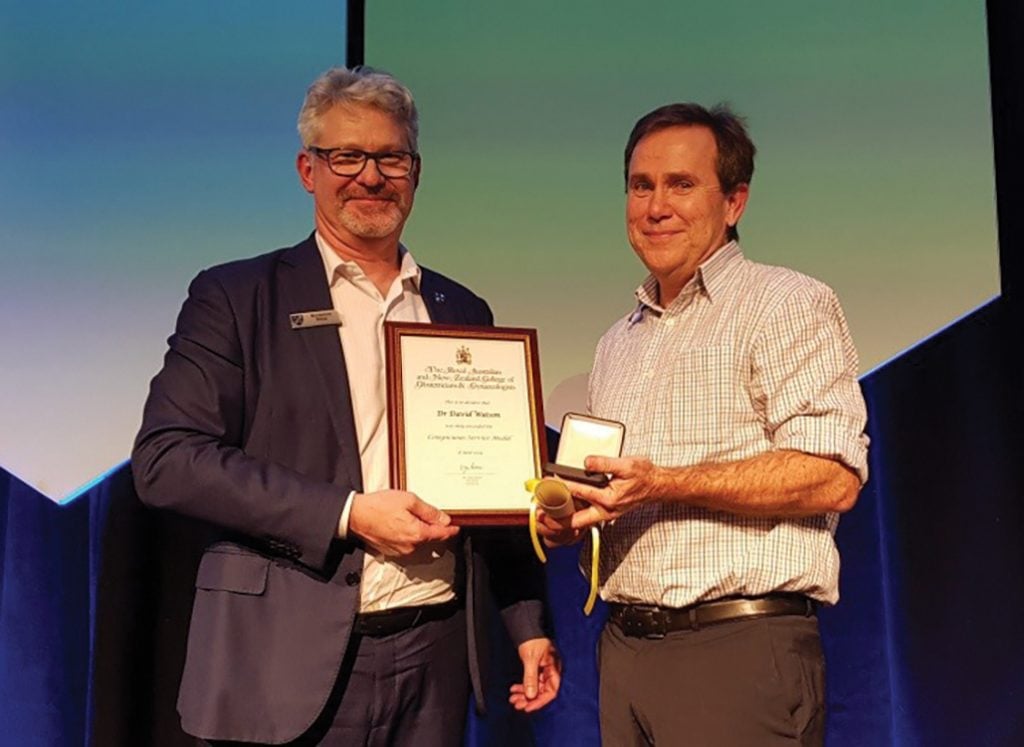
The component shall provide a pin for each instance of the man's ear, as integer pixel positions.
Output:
(304, 165)
(416, 171)
(736, 203)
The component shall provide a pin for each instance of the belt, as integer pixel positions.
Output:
(645, 621)
(388, 622)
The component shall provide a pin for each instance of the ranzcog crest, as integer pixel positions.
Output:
(463, 356)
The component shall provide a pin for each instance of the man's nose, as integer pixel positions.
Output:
(658, 206)
(370, 176)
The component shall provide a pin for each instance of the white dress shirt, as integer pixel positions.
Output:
(428, 575)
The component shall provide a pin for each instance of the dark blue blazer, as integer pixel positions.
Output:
(249, 426)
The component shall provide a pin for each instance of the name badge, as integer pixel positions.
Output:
(325, 318)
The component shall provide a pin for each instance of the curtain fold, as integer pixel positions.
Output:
(924, 647)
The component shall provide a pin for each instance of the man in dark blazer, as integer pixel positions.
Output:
(333, 610)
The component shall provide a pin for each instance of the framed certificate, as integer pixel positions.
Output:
(466, 418)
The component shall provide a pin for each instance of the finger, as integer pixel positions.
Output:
(590, 516)
(545, 531)
(552, 663)
(519, 702)
(528, 705)
(546, 526)
(555, 523)
(575, 487)
(590, 494)
(562, 540)
(542, 699)
(435, 532)
(553, 674)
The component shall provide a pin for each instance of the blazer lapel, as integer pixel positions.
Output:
(442, 309)
(303, 287)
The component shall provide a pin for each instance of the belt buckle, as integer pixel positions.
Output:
(659, 620)
(647, 622)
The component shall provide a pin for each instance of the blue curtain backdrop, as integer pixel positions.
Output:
(924, 648)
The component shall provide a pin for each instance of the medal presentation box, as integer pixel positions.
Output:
(583, 436)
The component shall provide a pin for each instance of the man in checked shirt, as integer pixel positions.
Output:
(737, 384)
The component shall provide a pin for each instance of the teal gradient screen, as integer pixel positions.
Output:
(142, 142)
(872, 121)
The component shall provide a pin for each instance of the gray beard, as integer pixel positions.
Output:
(371, 227)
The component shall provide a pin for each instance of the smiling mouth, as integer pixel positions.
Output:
(370, 200)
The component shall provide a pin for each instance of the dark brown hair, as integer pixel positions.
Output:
(735, 165)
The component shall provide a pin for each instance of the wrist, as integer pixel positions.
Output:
(668, 484)
(659, 484)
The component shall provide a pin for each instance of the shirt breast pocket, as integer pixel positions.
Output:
(702, 390)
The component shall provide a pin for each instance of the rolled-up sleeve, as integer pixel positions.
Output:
(805, 379)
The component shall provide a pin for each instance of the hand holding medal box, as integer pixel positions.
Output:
(582, 436)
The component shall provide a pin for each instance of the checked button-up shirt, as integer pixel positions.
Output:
(747, 359)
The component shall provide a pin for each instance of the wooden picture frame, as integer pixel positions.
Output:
(466, 418)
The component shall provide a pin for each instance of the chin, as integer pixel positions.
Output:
(371, 229)
(655, 260)
(373, 232)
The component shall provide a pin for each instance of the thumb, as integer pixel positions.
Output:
(597, 464)
(530, 675)
(427, 513)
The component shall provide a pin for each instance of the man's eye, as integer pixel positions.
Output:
(640, 188)
(391, 159)
(682, 186)
(347, 157)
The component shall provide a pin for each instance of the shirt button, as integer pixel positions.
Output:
(352, 578)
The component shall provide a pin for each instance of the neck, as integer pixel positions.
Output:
(669, 288)
(671, 284)
(378, 258)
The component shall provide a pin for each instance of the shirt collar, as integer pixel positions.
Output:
(335, 266)
(708, 278)
(713, 270)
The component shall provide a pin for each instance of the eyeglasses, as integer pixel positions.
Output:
(392, 164)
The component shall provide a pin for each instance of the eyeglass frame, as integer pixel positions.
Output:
(375, 156)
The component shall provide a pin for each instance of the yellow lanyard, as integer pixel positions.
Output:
(535, 486)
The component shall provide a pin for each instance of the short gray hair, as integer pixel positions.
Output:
(360, 85)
